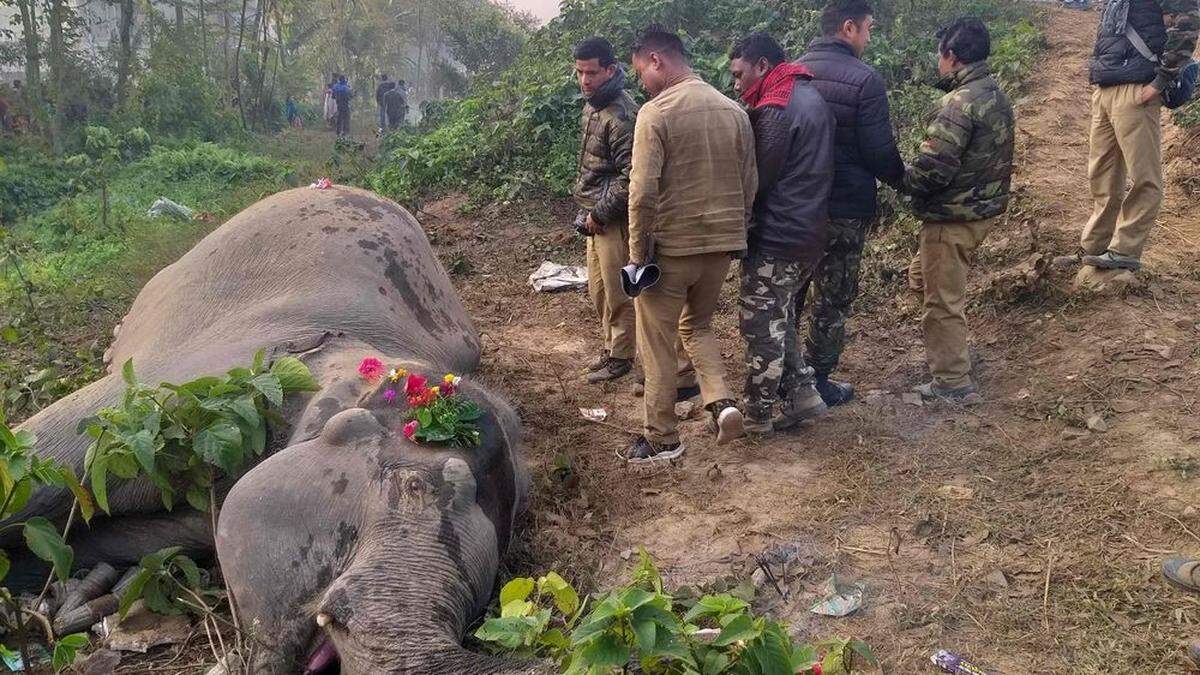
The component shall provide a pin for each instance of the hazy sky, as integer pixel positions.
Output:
(543, 9)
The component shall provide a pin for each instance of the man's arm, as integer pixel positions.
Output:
(1182, 20)
(749, 168)
(940, 157)
(613, 205)
(772, 142)
(876, 143)
(647, 161)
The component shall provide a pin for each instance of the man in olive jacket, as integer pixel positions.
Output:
(794, 147)
(602, 191)
(691, 192)
(959, 184)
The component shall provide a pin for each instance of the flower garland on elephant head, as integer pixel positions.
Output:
(436, 414)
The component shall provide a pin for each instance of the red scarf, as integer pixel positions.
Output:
(775, 88)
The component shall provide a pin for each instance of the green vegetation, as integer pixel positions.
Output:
(641, 623)
(183, 438)
(517, 135)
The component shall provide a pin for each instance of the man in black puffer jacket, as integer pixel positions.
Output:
(794, 135)
(1126, 135)
(865, 150)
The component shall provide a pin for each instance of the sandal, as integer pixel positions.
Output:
(1182, 571)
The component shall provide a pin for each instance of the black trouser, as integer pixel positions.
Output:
(343, 120)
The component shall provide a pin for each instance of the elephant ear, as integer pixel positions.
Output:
(349, 426)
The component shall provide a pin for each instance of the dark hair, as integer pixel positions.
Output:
(968, 38)
(759, 45)
(341, 79)
(838, 12)
(596, 48)
(402, 83)
(657, 39)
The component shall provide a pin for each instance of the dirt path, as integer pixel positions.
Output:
(1009, 533)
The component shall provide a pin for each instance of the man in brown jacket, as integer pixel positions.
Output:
(602, 191)
(691, 193)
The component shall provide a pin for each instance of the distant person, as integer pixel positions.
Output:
(794, 135)
(691, 192)
(1126, 133)
(292, 113)
(602, 193)
(959, 183)
(342, 94)
(330, 107)
(395, 103)
(5, 117)
(864, 151)
(385, 85)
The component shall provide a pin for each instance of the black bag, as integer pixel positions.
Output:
(1182, 91)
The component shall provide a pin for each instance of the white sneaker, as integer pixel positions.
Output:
(730, 425)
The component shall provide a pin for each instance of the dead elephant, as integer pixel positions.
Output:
(394, 545)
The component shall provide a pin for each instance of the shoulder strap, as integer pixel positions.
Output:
(1139, 44)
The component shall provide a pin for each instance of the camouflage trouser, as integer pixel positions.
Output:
(770, 288)
(835, 286)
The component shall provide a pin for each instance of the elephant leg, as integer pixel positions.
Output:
(121, 542)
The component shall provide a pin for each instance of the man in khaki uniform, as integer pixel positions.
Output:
(1141, 49)
(602, 191)
(959, 183)
(691, 192)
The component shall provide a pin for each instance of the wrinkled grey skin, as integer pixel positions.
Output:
(331, 276)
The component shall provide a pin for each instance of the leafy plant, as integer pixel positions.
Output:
(182, 436)
(103, 151)
(641, 623)
(169, 583)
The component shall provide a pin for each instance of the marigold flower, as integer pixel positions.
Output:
(396, 373)
(389, 395)
(410, 429)
(449, 378)
(435, 391)
(370, 368)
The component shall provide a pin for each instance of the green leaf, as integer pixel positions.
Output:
(100, 483)
(268, 385)
(221, 446)
(155, 561)
(516, 608)
(133, 591)
(864, 650)
(10, 335)
(87, 507)
(293, 375)
(516, 589)
(739, 628)
(144, 448)
(605, 652)
(424, 418)
(190, 572)
(244, 408)
(20, 497)
(45, 542)
(256, 365)
(66, 650)
(197, 498)
(127, 373)
(565, 597)
(645, 632)
(159, 596)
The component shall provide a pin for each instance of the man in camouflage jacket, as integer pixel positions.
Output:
(602, 191)
(1126, 133)
(959, 184)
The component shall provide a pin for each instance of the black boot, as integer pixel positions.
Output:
(834, 392)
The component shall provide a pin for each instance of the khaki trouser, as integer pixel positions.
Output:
(940, 272)
(607, 252)
(680, 309)
(1126, 143)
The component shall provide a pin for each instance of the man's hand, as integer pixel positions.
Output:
(594, 226)
(1148, 94)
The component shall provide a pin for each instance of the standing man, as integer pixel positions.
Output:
(395, 104)
(959, 184)
(864, 150)
(794, 137)
(691, 191)
(385, 85)
(1126, 135)
(602, 191)
(341, 95)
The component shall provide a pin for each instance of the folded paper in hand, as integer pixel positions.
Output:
(636, 279)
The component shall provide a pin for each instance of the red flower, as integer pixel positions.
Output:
(371, 369)
(816, 669)
(415, 384)
(410, 429)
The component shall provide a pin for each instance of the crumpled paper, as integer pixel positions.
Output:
(550, 277)
(838, 599)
